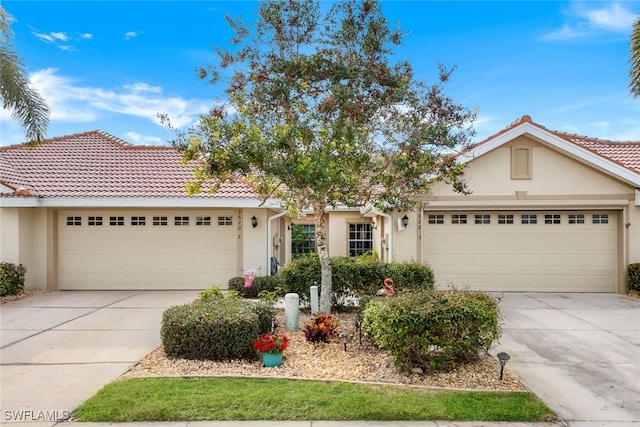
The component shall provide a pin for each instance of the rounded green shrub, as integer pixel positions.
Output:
(11, 278)
(433, 330)
(214, 329)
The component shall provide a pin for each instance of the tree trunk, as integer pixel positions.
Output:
(323, 254)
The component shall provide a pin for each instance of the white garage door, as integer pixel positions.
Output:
(178, 249)
(522, 251)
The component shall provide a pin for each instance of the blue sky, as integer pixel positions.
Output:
(114, 65)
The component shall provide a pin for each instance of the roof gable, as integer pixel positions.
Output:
(98, 165)
(618, 159)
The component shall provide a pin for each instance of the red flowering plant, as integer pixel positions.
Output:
(271, 343)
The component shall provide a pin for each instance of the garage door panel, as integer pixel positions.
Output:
(561, 257)
(147, 257)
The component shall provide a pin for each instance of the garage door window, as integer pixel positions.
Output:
(576, 219)
(74, 221)
(116, 221)
(483, 219)
(528, 219)
(181, 220)
(600, 218)
(458, 219)
(203, 220)
(94, 221)
(552, 219)
(436, 219)
(225, 220)
(137, 221)
(160, 220)
(505, 219)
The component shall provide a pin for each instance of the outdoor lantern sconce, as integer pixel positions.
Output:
(503, 358)
(405, 220)
(254, 221)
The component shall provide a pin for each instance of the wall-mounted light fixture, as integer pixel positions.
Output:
(374, 226)
(405, 220)
(254, 221)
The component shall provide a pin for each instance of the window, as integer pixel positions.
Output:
(552, 219)
(528, 219)
(483, 219)
(116, 221)
(576, 219)
(458, 219)
(505, 219)
(181, 220)
(360, 239)
(303, 239)
(94, 220)
(74, 220)
(138, 220)
(203, 220)
(601, 218)
(435, 219)
(159, 220)
(225, 220)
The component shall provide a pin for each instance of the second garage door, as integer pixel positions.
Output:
(179, 249)
(522, 251)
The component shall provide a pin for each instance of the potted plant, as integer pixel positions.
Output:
(271, 346)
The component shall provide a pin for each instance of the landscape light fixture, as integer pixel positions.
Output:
(405, 220)
(254, 221)
(343, 338)
(503, 358)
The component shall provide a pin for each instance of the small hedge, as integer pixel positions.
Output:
(260, 283)
(433, 330)
(633, 271)
(215, 328)
(11, 278)
(352, 277)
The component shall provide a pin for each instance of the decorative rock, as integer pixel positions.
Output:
(417, 371)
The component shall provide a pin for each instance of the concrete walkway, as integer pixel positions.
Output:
(579, 353)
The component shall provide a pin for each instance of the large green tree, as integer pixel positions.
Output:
(317, 115)
(634, 72)
(24, 102)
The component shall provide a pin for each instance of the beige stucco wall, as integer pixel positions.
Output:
(254, 242)
(552, 174)
(633, 232)
(23, 240)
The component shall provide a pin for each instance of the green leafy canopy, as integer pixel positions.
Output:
(317, 113)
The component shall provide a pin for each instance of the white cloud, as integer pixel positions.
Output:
(61, 39)
(136, 138)
(566, 32)
(612, 18)
(583, 20)
(74, 103)
(131, 34)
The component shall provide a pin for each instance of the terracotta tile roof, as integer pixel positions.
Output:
(623, 153)
(96, 164)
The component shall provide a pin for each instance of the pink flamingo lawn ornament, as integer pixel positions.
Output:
(388, 290)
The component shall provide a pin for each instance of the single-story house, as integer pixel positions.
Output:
(549, 211)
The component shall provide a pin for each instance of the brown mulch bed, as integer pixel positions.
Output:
(362, 362)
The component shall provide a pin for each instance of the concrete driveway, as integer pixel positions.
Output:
(580, 353)
(58, 349)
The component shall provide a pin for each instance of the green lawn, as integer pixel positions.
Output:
(180, 399)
